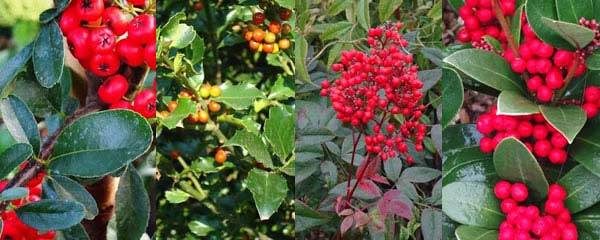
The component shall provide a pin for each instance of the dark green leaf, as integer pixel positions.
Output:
(101, 143)
(185, 107)
(573, 10)
(12, 67)
(132, 205)
(514, 162)
(586, 149)
(51, 214)
(472, 203)
(239, 97)
(588, 223)
(469, 165)
(48, 55)
(13, 193)
(268, 190)
(593, 61)
(68, 189)
(453, 92)
(253, 144)
(20, 122)
(582, 188)
(578, 36)
(469, 232)
(279, 131)
(516, 25)
(568, 120)
(420, 174)
(13, 156)
(335, 30)
(538, 9)
(76, 232)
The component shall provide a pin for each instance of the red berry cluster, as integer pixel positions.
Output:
(547, 65)
(538, 135)
(102, 37)
(272, 37)
(527, 222)
(591, 97)
(13, 227)
(379, 83)
(480, 20)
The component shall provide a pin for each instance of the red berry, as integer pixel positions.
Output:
(131, 52)
(545, 50)
(540, 132)
(150, 55)
(502, 190)
(525, 129)
(121, 104)
(557, 156)
(485, 3)
(463, 36)
(116, 20)
(544, 94)
(472, 3)
(508, 7)
(89, 10)
(591, 94)
(534, 83)
(554, 79)
(554, 206)
(471, 23)
(581, 68)
(69, 20)
(104, 65)
(487, 145)
(590, 109)
(508, 205)
(78, 43)
(137, 2)
(465, 11)
(145, 103)
(113, 89)
(102, 40)
(557, 192)
(258, 18)
(558, 140)
(543, 66)
(518, 192)
(518, 65)
(485, 15)
(542, 148)
(142, 29)
(563, 58)
(570, 232)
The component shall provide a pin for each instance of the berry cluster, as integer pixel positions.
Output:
(102, 37)
(377, 84)
(540, 137)
(591, 97)
(546, 65)
(480, 20)
(13, 227)
(271, 37)
(527, 222)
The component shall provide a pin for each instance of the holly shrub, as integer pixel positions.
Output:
(225, 120)
(367, 92)
(72, 167)
(526, 169)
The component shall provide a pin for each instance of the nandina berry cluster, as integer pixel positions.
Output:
(526, 221)
(538, 135)
(377, 84)
(546, 65)
(480, 20)
(271, 37)
(591, 98)
(13, 227)
(104, 38)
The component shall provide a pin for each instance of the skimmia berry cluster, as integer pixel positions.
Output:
(533, 130)
(102, 36)
(528, 222)
(375, 85)
(480, 20)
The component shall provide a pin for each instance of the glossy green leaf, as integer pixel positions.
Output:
(268, 190)
(486, 67)
(568, 120)
(20, 122)
(10, 69)
(68, 189)
(578, 36)
(538, 9)
(457, 137)
(472, 203)
(516, 25)
(279, 131)
(588, 223)
(573, 10)
(199, 228)
(76, 232)
(586, 149)
(132, 205)
(468, 165)
(431, 224)
(514, 162)
(101, 143)
(453, 92)
(48, 55)
(12, 157)
(185, 107)
(14, 193)
(239, 97)
(281, 92)
(51, 214)
(176, 196)
(593, 62)
(179, 35)
(335, 30)
(515, 104)
(582, 188)
(253, 144)
(469, 232)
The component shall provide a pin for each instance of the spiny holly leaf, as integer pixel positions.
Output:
(268, 190)
(48, 215)
(472, 203)
(239, 97)
(68, 189)
(132, 205)
(48, 55)
(279, 131)
(253, 144)
(101, 143)
(13, 156)
(20, 122)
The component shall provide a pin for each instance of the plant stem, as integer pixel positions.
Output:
(350, 173)
(192, 177)
(505, 27)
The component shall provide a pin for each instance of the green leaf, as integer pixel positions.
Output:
(253, 144)
(514, 162)
(10, 69)
(420, 174)
(20, 122)
(494, 43)
(68, 189)
(486, 67)
(469, 232)
(197, 50)
(588, 223)
(593, 61)
(279, 91)
(431, 224)
(178, 34)
(279, 131)
(48, 215)
(289, 4)
(516, 25)
(13, 193)
(76, 232)
(458, 137)
(392, 168)
(300, 52)
(586, 149)
(12, 157)
(307, 218)
(582, 188)
(453, 92)
(468, 165)
(199, 228)
(578, 36)
(573, 10)
(335, 30)
(386, 8)
(268, 190)
(48, 55)
(101, 143)
(239, 97)
(338, 6)
(472, 203)
(364, 20)
(176, 196)
(132, 205)
(515, 104)
(568, 120)
(538, 9)
(185, 107)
